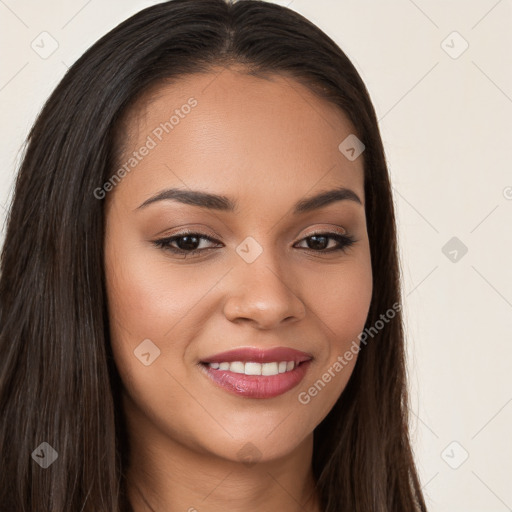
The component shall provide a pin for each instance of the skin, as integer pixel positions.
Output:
(266, 143)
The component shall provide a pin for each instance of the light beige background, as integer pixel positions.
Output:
(446, 127)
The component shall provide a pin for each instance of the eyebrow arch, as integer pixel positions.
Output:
(223, 203)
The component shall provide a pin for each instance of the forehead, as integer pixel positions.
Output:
(226, 130)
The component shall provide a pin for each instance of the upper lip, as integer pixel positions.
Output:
(258, 355)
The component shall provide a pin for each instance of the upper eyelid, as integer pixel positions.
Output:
(209, 233)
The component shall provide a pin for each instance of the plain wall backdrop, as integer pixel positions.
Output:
(440, 76)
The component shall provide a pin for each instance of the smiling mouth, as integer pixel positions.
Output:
(257, 374)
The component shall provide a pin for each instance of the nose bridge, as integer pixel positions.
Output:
(260, 290)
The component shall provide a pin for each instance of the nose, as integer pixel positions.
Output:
(261, 295)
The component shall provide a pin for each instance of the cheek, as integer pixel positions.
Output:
(138, 310)
(149, 299)
(341, 300)
(144, 297)
(144, 303)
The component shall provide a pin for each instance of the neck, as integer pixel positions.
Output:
(164, 474)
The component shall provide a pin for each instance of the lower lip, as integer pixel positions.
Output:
(257, 386)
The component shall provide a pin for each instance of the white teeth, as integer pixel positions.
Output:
(237, 367)
(252, 368)
(269, 369)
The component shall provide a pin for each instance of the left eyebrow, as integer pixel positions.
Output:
(326, 198)
(223, 203)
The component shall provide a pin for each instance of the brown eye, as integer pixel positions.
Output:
(188, 242)
(319, 242)
(185, 244)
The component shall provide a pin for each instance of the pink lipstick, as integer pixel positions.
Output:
(257, 373)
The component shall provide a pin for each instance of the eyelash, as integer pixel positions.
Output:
(344, 241)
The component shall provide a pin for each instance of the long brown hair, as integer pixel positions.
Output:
(58, 381)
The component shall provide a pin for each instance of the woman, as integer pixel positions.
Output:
(200, 303)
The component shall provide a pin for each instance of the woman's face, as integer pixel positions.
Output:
(240, 157)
